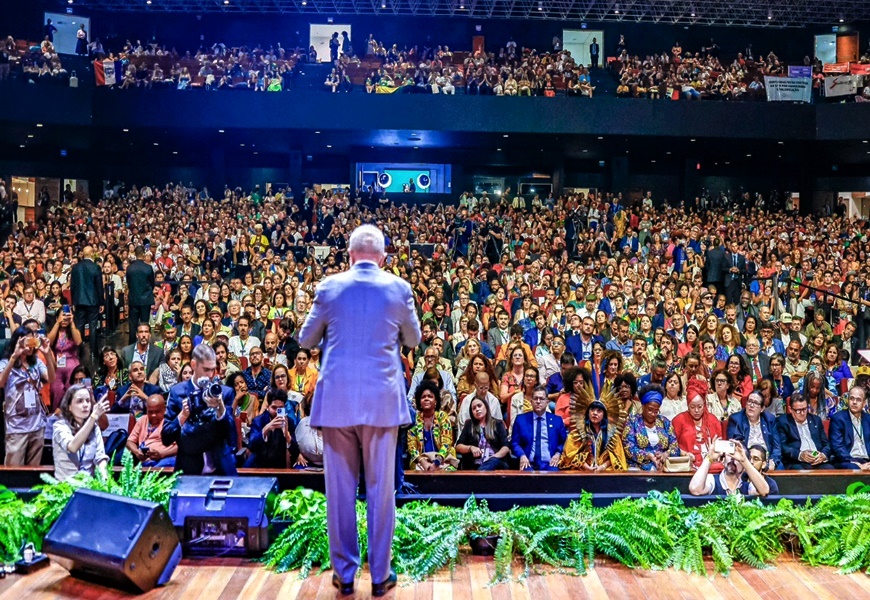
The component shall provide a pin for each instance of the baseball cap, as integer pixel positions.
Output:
(786, 318)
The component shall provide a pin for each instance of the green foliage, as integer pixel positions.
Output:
(292, 505)
(17, 526)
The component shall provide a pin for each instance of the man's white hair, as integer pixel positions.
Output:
(368, 241)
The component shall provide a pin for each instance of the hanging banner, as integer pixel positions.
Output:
(860, 69)
(107, 72)
(800, 71)
(836, 68)
(841, 85)
(788, 89)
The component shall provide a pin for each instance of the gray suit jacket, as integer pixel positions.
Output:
(361, 318)
(155, 357)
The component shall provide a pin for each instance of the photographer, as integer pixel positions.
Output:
(730, 480)
(271, 435)
(197, 420)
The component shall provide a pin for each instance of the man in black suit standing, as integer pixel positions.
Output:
(594, 52)
(802, 438)
(715, 264)
(86, 283)
(736, 265)
(140, 291)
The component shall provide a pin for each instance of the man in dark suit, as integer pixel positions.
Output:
(140, 290)
(715, 265)
(594, 53)
(143, 350)
(88, 298)
(538, 437)
(199, 423)
(850, 434)
(802, 438)
(735, 264)
(271, 435)
(741, 426)
(756, 361)
(535, 335)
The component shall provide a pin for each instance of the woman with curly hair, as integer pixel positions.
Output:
(430, 439)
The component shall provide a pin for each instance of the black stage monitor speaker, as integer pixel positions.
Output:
(122, 542)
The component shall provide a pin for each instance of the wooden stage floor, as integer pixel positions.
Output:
(229, 579)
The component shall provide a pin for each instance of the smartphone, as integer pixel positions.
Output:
(66, 309)
(87, 382)
(724, 446)
(281, 412)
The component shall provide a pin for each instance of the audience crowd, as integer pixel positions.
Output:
(697, 324)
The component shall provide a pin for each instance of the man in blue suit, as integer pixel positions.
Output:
(752, 426)
(850, 434)
(535, 335)
(538, 437)
(200, 424)
(802, 438)
(361, 318)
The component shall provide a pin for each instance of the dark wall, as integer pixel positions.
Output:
(185, 31)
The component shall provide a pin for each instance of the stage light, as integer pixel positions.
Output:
(226, 2)
(304, 3)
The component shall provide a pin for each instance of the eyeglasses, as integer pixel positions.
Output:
(558, 343)
(753, 403)
(799, 410)
(721, 381)
(281, 376)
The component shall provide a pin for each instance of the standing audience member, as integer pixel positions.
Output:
(140, 290)
(66, 341)
(88, 298)
(22, 375)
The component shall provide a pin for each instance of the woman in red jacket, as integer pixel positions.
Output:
(696, 428)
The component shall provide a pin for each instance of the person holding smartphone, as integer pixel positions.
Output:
(66, 340)
(77, 440)
(730, 480)
(271, 434)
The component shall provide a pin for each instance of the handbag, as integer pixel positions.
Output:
(678, 464)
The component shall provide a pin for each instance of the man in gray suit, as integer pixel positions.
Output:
(362, 318)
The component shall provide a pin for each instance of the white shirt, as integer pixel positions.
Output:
(464, 412)
(859, 448)
(30, 310)
(807, 444)
(242, 349)
(756, 437)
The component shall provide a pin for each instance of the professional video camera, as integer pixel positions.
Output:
(205, 389)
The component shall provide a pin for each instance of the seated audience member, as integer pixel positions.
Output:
(302, 377)
(722, 402)
(783, 385)
(143, 351)
(802, 438)
(850, 433)
(483, 441)
(730, 480)
(556, 381)
(649, 437)
(772, 403)
(696, 428)
(625, 387)
(132, 397)
(576, 378)
(307, 443)
(673, 403)
(431, 358)
(430, 439)
(595, 441)
(482, 391)
(538, 437)
(271, 435)
(521, 401)
(752, 426)
(256, 375)
(144, 441)
(167, 373)
(77, 441)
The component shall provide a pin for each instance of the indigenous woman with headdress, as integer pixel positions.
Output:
(595, 441)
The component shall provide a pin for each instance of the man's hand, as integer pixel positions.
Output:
(807, 457)
(524, 463)
(554, 460)
(185, 412)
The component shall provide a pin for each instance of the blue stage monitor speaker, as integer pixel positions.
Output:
(122, 542)
(222, 515)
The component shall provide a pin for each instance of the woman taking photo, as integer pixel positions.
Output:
(721, 402)
(696, 428)
(65, 340)
(430, 439)
(77, 442)
(483, 442)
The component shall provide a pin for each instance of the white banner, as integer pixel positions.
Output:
(788, 89)
(841, 85)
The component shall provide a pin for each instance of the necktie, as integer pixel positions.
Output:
(538, 441)
(734, 257)
(756, 368)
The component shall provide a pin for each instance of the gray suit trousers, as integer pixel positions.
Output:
(341, 461)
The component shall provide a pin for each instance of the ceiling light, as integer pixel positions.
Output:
(148, 2)
(328, 146)
(748, 156)
(226, 2)
(69, 1)
(585, 151)
(242, 145)
(692, 140)
(39, 124)
(780, 143)
(600, 137)
(22, 145)
(304, 3)
(416, 147)
(383, 4)
(126, 130)
(30, 136)
(505, 135)
(175, 151)
(316, 132)
(499, 150)
(653, 160)
(156, 144)
(220, 130)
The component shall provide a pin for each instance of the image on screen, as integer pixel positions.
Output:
(319, 38)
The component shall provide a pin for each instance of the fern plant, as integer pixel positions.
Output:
(17, 527)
